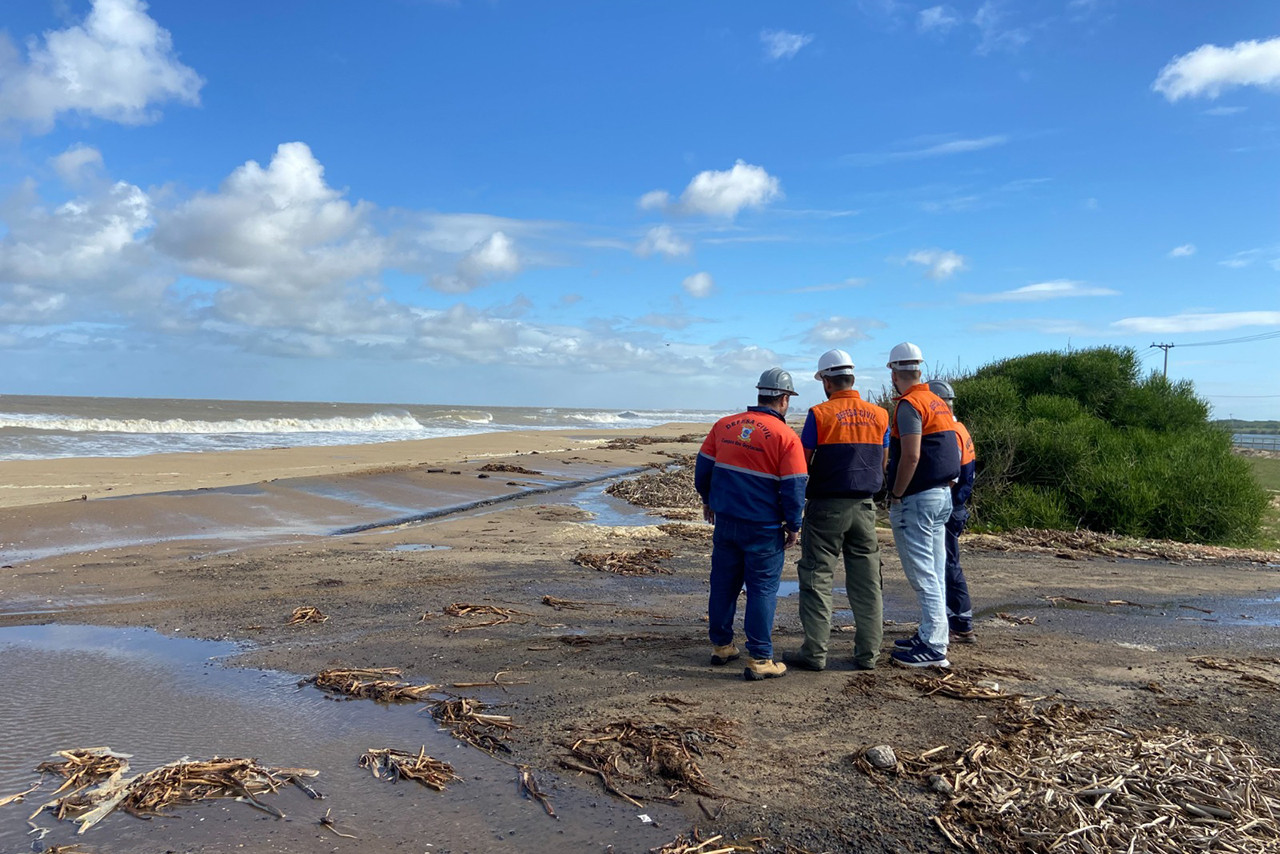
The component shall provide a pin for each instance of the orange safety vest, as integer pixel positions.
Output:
(939, 447)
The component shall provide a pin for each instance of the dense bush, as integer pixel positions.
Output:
(1079, 439)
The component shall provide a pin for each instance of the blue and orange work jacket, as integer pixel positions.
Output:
(751, 467)
(939, 449)
(968, 465)
(847, 436)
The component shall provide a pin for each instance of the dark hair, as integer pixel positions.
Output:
(840, 382)
(763, 399)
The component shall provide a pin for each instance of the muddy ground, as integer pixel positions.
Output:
(636, 649)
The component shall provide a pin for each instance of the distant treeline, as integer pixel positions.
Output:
(1257, 428)
(1082, 440)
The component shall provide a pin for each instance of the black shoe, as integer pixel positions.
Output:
(799, 662)
(907, 643)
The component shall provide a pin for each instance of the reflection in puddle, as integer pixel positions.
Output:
(162, 698)
(792, 588)
(611, 512)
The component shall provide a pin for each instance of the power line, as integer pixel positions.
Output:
(1244, 339)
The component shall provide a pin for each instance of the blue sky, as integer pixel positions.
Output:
(636, 205)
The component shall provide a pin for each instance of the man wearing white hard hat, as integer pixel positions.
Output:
(924, 459)
(751, 476)
(845, 439)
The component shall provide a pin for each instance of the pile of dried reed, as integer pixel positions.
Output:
(466, 720)
(1060, 778)
(673, 488)
(468, 609)
(1253, 670)
(650, 752)
(85, 766)
(687, 532)
(392, 764)
(177, 784)
(564, 604)
(695, 844)
(306, 614)
(509, 468)
(379, 684)
(643, 562)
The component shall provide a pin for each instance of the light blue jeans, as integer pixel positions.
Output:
(919, 532)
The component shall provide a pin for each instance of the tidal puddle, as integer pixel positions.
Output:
(611, 512)
(418, 547)
(792, 588)
(161, 698)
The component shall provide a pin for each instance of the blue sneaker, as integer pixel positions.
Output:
(920, 656)
(908, 643)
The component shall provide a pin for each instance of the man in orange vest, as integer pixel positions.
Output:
(751, 476)
(845, 440)
(959, 606)
(924, 459)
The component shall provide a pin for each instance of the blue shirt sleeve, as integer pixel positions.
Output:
(809, 434)
(886, 437)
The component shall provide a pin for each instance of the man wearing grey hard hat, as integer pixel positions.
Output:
(959, 606)
(751, 476)
(846, 441)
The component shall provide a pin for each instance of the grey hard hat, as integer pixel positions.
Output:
(777, 381)
(942, 389)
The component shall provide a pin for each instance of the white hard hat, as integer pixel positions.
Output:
(905, 357)
(834, 363)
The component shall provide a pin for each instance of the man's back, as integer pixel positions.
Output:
(847, 436)
(751, 466)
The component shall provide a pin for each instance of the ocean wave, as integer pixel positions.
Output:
(466, 416)
(377, 423)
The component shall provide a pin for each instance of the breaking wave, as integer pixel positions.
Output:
(378, 423)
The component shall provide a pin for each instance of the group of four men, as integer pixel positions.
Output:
(762, 485)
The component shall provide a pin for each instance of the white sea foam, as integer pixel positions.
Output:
(379, 423)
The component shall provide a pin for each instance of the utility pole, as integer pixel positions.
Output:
(1166, 348)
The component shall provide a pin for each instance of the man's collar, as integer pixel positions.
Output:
(767, 411)
(846, 392)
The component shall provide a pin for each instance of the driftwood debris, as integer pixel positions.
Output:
(508, 468)
(472, 609)
(671, 488)
(85, 766)
(306, 614)
(695, 844)
(177, 784)
(647, 561)
(1253, 671)
(391, 764)
(568, 604)
(650, 752)
(529, 786)
(467, 720)
(381, 684)
(1015, 619)
(1065, 779)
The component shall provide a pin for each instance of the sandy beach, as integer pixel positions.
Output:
(162, 542)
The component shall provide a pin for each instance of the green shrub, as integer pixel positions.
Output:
(1076, 439)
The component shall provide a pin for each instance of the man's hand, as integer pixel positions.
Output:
(708, 515)
(793, 537)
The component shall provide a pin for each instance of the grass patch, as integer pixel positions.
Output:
(1267, 473)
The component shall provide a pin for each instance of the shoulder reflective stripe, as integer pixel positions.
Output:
(706, 456)
(794, 476)
(751, 472)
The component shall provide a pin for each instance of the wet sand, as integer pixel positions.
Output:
(636, 643)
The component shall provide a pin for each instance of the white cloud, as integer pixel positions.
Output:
(699, 285)
(1224, 111)
(827, 288)
(994, 34)
(662, 240)
(725, 194)
(116, 65)
(1199, 322)
(1247, 257)
(841, 330)
(743, 359)
(494, 256)
(1041, 291)
(942, 264)
(77, 163)
(780, 44)
(929, 147)
(937, 19)
(1209, 70)
(654, 200)
(672, 320)
(1186, 250)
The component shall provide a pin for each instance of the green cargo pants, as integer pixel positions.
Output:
(836, 528)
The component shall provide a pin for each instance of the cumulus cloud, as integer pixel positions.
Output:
(699, 285)
(834, 330)
(1210, 70)
(941, 264)
(937, 19)
(115, 65)
(780, 44)
(1218, 322)
(1186, 250)
(1041, 291)
(77, 163)
(721, 194)
(662, 240)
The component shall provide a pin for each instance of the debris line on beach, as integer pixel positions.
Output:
(650, 752)
(508, 468)
(467, 720)
(382, 684)
(647, 561)
(1065, 779)
(306, 614)
(391, 764)
(179, 783)
(673, 488)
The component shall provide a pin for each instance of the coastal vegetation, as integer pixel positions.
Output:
(1081, 440)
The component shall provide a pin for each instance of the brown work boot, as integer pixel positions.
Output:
(723, 654)
(763, 668)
